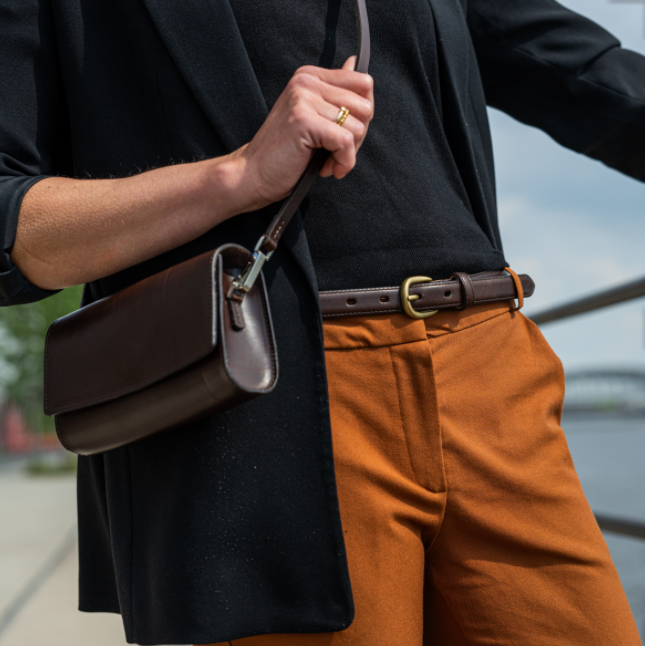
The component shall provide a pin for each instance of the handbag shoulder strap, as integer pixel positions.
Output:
(268, 243)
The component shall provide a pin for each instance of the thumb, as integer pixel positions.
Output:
(350, 63)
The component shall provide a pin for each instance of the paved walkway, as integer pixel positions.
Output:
(38, 566)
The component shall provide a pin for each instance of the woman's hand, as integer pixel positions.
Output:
(303, 119)
(73, 231)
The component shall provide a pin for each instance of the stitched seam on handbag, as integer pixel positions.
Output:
(270, 329)
(273, 354)
(221, 304)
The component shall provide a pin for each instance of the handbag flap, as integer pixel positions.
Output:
(133, 338)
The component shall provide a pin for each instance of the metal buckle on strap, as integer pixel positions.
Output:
(407, 298)
(245, 281)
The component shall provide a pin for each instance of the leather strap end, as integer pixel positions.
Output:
(237, 317)
(518, 288)
(269, 245)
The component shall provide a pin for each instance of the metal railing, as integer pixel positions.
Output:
(633, 528)
(600, 300)
(606, 298)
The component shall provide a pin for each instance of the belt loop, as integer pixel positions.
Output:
(467, 290)
(518, 288)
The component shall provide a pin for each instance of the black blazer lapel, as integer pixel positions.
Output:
(460, 85)
(203, 39)
(205, 43)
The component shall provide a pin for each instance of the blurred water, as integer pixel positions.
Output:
(609, 454)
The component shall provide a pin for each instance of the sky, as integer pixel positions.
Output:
(575, 225)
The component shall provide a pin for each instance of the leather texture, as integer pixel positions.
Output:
(467, 290)
(171, 313)
(175, 347)
(484, 287)
(181, 356)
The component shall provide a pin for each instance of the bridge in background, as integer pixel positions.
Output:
(606, 389)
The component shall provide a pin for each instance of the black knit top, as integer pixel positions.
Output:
(404, 210)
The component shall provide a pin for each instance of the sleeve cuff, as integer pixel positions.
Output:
(15, 289)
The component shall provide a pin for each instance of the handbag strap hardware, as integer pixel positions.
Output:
(245, 281)
(268, 243)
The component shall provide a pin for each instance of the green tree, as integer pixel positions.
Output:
(22, 344)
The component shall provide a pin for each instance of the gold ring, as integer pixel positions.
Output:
(342, 115)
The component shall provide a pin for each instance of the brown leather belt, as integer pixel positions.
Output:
(428, 296)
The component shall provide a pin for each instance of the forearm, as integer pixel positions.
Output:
(74, 231)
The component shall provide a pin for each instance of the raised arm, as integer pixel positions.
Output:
(551, 68)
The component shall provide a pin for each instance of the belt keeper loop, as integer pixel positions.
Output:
(467, 290)
(518, 288)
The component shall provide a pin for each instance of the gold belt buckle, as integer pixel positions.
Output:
(407, 298)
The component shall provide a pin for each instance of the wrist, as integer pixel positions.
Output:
(229, 185)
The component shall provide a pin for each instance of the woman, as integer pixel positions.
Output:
(135, 135)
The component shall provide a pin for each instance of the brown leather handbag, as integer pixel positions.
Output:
(176, 347)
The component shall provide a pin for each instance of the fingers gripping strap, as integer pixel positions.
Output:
(279, 223)
(269, 241)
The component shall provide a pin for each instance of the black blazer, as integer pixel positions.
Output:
(230, 527)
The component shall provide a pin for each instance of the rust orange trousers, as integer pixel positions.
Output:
(464, 519)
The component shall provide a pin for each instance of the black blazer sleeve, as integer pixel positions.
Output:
(552, 68)
(31, 136)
